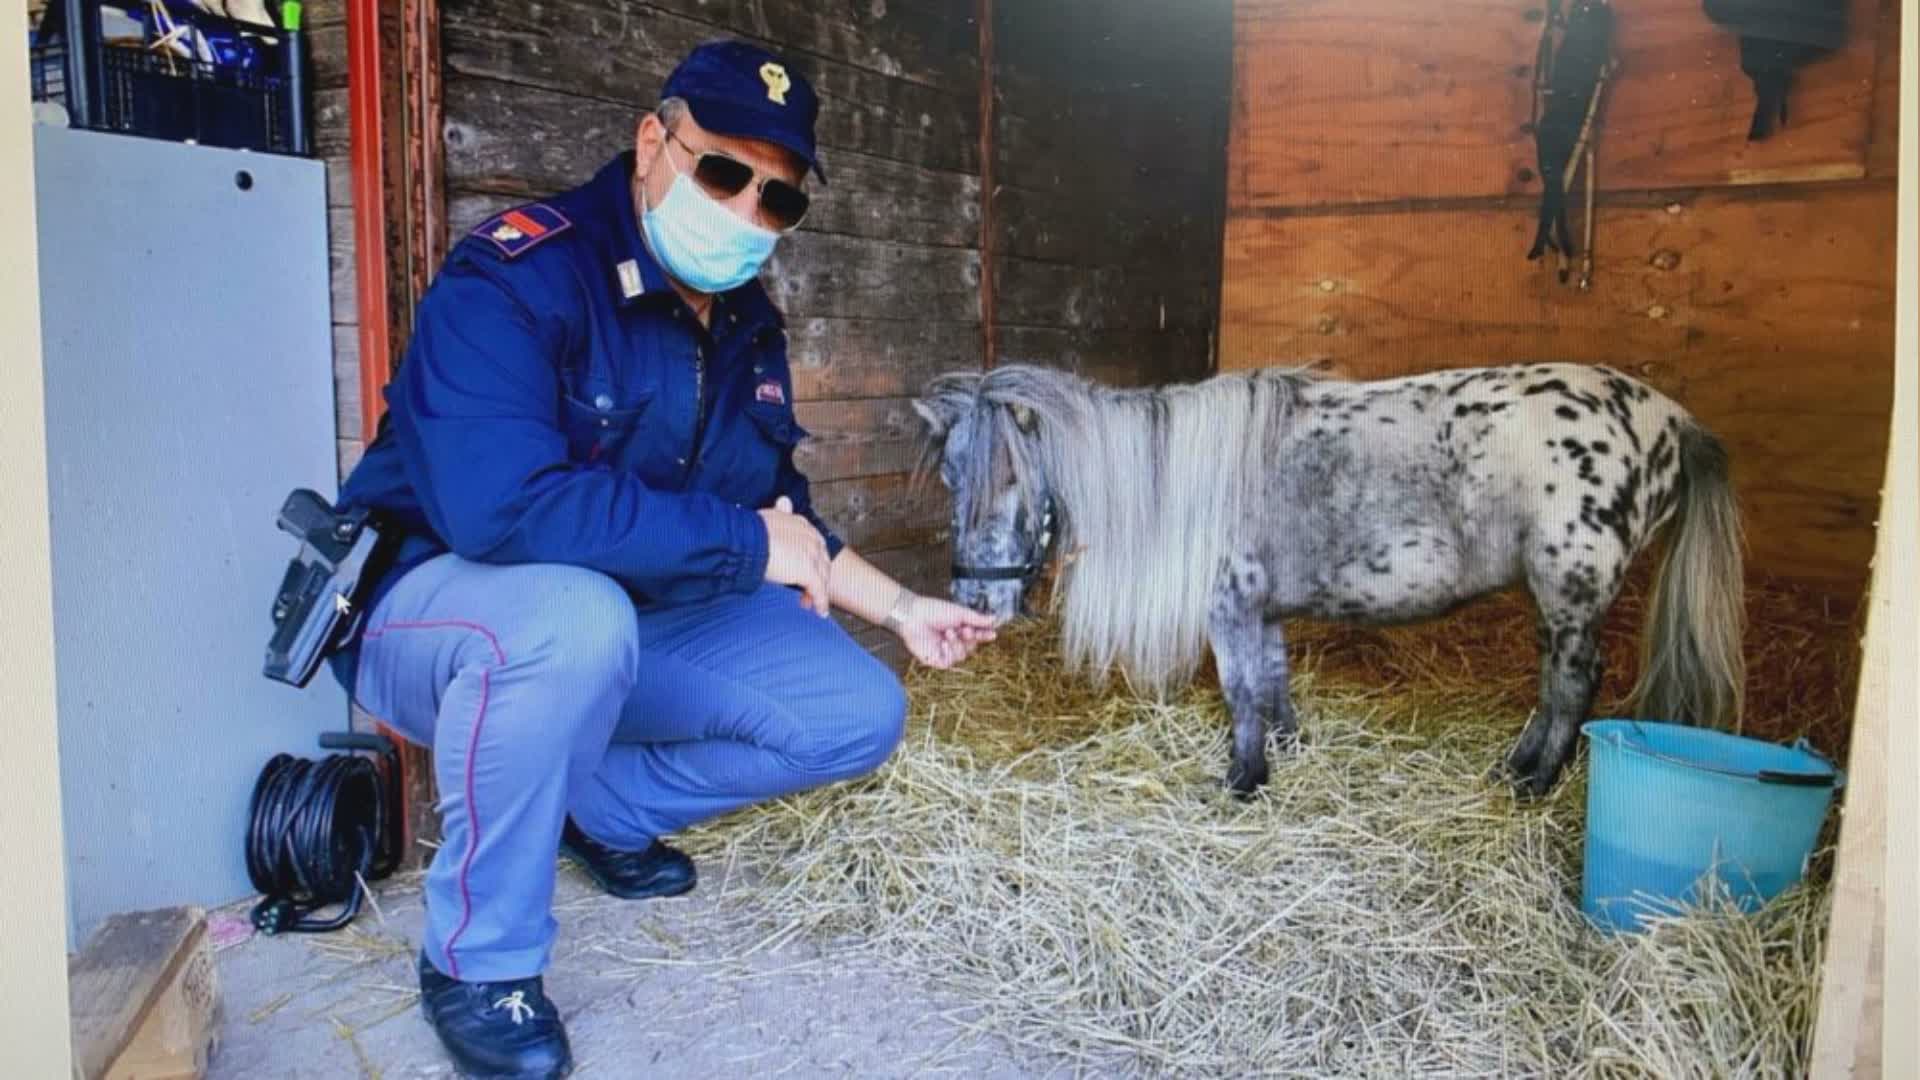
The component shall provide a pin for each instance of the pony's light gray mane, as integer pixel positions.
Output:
(1151, 486)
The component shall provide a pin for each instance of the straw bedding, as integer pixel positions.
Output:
(1067, 861)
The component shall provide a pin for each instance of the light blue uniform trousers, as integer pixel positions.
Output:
(544, 692)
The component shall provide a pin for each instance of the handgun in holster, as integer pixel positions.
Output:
(318, 607)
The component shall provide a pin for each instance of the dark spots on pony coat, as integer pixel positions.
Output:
(1618, 514)
(1581, 585)
(1566, 412)
(1385, 419)
(1415, 542)
(1475, 409)
(1500, 406)
(1601, 447)
(1560, 388)
(1550, 489)
(1660, 459)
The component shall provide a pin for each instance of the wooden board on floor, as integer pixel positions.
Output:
(144, 998)
(1354, 101)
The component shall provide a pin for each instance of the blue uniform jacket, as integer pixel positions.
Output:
(558, 402)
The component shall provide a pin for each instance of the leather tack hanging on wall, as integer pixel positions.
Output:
(1777, 37)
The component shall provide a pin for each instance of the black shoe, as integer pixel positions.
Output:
(631, 875)
(496, 1030)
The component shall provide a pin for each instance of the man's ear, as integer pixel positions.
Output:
(648, 136)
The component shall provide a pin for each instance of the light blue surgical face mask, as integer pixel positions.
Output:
(702, 243)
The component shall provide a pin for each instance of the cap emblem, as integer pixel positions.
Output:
(777, 82)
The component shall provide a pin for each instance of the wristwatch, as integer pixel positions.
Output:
(897, 615)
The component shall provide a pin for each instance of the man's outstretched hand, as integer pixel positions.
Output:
(796, 555)
(940, 633)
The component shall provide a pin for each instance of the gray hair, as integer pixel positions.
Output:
(671, 111)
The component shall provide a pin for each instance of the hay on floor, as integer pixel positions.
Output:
(1068, 863)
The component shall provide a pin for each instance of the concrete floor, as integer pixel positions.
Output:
(682, 987)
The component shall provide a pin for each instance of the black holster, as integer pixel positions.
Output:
(320, 607)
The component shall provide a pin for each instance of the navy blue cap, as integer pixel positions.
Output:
(742, 90)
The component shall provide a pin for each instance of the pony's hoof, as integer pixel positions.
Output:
(1243, 783)
(1531, 787)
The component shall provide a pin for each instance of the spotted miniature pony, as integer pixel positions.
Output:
(1203, 514)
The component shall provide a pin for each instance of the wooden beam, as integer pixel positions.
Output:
(144, 997)
(425, 155)
(399, 165)
(1869, 969)
(990, 347)
(371, 91)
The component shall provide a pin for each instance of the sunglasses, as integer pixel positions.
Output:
(725, 177)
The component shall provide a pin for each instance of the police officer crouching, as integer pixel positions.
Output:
(607, 615)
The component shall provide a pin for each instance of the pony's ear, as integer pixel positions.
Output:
(937, 413)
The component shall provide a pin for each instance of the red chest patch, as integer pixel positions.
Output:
(770, 392)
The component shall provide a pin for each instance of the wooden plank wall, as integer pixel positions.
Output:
(1109, 167)
(1108, 141)
(1381, 201)
(881, 287)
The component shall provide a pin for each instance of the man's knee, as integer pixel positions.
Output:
(580, 629)
(876, 706)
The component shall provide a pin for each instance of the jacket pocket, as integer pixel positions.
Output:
(596, 430)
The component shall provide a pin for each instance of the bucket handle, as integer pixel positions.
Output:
(1833, 778)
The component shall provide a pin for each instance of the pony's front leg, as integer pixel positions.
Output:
(1240, 651)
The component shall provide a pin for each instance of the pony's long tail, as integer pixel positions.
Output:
(1692, 666)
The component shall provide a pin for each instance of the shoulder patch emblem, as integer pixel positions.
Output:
(770, 392)
(516, 231)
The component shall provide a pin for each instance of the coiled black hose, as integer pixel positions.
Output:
(317, 828)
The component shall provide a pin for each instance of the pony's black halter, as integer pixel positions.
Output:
(1024, 572)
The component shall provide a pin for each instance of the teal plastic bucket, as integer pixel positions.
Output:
(1669, 804)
